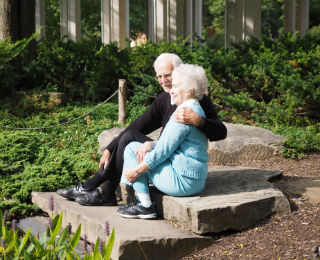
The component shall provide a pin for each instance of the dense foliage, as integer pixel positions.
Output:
(273, 83)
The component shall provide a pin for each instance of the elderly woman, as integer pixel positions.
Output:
(177, 164)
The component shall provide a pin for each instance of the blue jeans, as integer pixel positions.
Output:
(163, 177)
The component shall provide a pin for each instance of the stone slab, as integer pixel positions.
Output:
(243, 143)
(305, 187)
(134, 238)
(234, 198)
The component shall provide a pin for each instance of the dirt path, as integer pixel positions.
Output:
(291, 236)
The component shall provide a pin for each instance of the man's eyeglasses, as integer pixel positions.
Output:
(165, 76)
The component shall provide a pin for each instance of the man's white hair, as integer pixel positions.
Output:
(193, 77)
(168, 57)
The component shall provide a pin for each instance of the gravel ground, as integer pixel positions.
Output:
(293, 236)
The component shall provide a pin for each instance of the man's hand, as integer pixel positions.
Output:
(104, 158)
(143, 149)
(131, 174)
(187, 116)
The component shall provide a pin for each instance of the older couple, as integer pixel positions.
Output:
(177, 163)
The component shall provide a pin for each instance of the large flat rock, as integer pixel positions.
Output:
(243, 143)
(134, 238)
(234, 198)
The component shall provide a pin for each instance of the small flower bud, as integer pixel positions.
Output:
(14, 225)
(5, 217)
(107, 228)
(69, 226)
(51, 203)
(85, 244)
(101, 242)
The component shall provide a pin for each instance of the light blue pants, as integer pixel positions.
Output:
(163, 177)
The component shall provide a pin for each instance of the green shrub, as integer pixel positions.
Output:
(300, 140)
(47, 159)
(10, 53)
(280, 75)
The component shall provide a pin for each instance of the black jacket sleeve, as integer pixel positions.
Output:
(214, 129)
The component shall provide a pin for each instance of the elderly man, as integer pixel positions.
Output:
(111, 163)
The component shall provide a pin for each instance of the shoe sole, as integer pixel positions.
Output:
(150, 216)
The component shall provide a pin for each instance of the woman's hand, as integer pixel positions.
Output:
(131, 174)
(187, 116)
(104, 158)
(143, 149)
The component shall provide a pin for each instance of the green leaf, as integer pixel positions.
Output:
(43, 240)
(109, 246)
(96, 253)
(22, 244)
(13, 240)
(2, 224)
(62, 238)
(56, 230)
(76, 237)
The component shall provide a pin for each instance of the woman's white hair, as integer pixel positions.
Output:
(193, 77)
(168, 57)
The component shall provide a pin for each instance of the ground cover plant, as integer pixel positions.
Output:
(273, 83)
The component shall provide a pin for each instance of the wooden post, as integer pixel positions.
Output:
(122, 98)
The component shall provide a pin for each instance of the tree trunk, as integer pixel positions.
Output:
(9, 20)
(17, 19)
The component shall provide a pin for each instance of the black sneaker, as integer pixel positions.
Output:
(138, 211)
(130, 204)
(73, 192)
(97, 198)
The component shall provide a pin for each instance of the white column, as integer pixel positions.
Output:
(40, 19)
(160, 20)
(70, 19)
(290, 16)
(123, 23)
(106, 21)
(303, 17)
(198, 18)
(151, 20)
(189, 20)
(64, 18)
(176, 19)
(115, 21)
(74, 20)
(233, 21)
(251, 19)
(172, 20)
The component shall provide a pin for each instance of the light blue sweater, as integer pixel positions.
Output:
(185, 146)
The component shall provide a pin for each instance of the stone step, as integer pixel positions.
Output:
(134, 238)
(233, 199)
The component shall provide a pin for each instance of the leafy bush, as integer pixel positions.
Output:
(280, 76)
(83, 71)
(9, 60)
